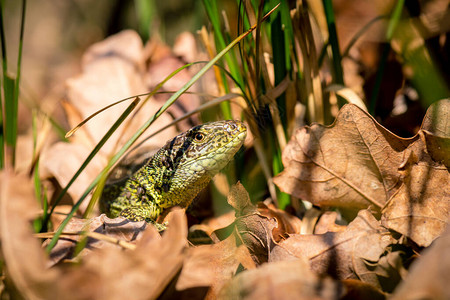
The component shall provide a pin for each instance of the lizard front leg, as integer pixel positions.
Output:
(143, 213)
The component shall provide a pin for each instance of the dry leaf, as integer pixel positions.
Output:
(239, 199)
(356, 163)
(62, 160)
(119, 228)
(112, 70)
(286, 223)
(338, 254)
(103, 274)
(351, 164)
(210, 225)
(358, 290)
(139, 274)
(281, 280)
(251, 228)
(213, 265)
(163, 62)
(327, 223)
(21, 252)
(384, 273)
(429, 275)
(420, 208)
(259, 228)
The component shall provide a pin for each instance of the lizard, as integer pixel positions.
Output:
(175, 174)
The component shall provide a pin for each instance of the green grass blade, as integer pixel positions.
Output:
(6, 107)
(10, 123)
(4, 64)
(333, 40)
(3, 42)
(281, 37)
(202, 107)
(97, 194)
(11, 87)
(214, 17)
(395, 18)
(36, 179)
(19, 67)
(145, 12)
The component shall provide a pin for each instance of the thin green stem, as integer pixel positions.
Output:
(3, 42)
(338, 76)
(17, 83)
(2, 101)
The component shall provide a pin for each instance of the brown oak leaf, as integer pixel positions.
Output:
(281, 280)
(259, 228)
(420, 208)
(212, 266)
(356, 163)
(339, 254)
(429, 275)
(107, 273)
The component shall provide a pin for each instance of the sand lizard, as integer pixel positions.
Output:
(176, 173)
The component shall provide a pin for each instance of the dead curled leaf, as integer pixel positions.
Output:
(103, 274)
(286, 223)
(17, 208)
(356, 163)
(119, 228)
(352, 163)
(137, 275)
(257, 228)
(339, 254)
(327, 222)
(281, 280)
(420, 208)
(429, 275)
(213, 265)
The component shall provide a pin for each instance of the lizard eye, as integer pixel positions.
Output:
(199, 136)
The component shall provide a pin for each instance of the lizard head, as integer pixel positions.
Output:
(213, 145)
(205, 148)
(192, 158)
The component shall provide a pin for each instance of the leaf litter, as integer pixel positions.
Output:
(356, 163)
(369, 256)
(397, 186)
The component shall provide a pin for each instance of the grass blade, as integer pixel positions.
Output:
(333, 40)
(4, 67)
(10, 91)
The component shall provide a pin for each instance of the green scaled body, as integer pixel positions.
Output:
(176, 173)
